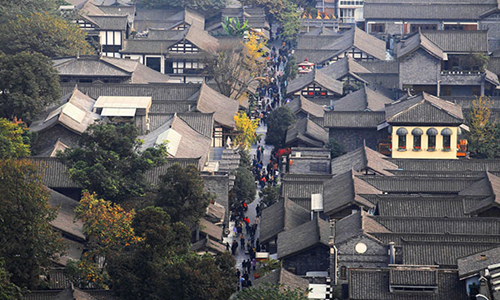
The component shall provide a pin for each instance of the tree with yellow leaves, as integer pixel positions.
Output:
(237, 64)
(484, 135)
(246, 130)
(109, 231)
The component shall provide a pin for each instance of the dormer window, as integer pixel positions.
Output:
(446, 133)
(401, 133)
(431, 139)
(417, 139)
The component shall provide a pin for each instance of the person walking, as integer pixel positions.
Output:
(242, 241)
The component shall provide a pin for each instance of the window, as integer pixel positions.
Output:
(378, 28)
(343, 273)
(318, 167)
(401, 133)
(431, 141)
(154, 63)
(417, 138)
(184, 47)
(446, 133)
(347, 15)
(415, 27)
(314, 91)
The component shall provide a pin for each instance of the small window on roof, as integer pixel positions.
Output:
(432, 131)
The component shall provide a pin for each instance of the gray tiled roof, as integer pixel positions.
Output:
(164, 91)
(344, 190)
(459, 40)
(476, 262)
(224, 108)
(424, 11)
(316, 56)
(65, 220)
(301, 189)
(380, 67)
(399, 238)
(111, 22)
(317, 77)
(448, 164)
(53, 172)
(439, 253)
(344, 67)
(424, 109)
(419, 41)
(361, 40)
(307, 132)
(373, 284)
(309, 41)
(153, 175)
(302, 104)
(354, 225)
(357, 119)
(283, 277)
(302, 237)
(415, 277)
(68, 113)
(361, 159)
(423, 205)
(488, 187)
(284, 215)
(320, 31)
(479, 226)
(361, 100)
(411, 184)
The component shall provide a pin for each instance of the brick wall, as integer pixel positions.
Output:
(219, 186)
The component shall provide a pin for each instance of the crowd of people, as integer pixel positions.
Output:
(245, 237)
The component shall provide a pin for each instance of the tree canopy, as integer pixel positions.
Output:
(246, 130)
(108, 162)
(28, 241)
(14, 139)
(484, 135)
(181, 194)
(277, 124)
(45, 33)
(233, 26)
(161, 266)
(28, 83)
(9, 9)
(8, 290)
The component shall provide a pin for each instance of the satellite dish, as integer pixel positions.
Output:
(361, 248)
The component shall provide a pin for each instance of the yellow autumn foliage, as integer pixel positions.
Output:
(246, 130)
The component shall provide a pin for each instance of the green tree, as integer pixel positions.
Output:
(182, 194)
(28, 83)
(161, 267)
(28, 241)
(272, 292)
(207, 6)
(244, 185)
(270, 195)
(14, 139)
(9, 9)
(8, 290)
(291, 69)
(233, 26)
(108, 162)
(484, 136)
(336, 148)
(289, 18)
(44, 33)
(277, 124)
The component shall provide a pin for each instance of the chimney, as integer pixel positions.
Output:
(392, 253)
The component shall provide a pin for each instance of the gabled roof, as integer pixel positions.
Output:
(354, 119)
(314, 42)
(344, 190)
(284, 215)
(488, 187)
(52, 150)
(167, 18)
(424, 109)
(303, 237)
(301, 104)
(474, 263)
(74, 294)
(362, 100)
(354, 225)
(307, 132)
(321, 31)
(94, 66)
(459, 41)
(283, 278)
(189, 144)
(412, 184)
(317, 77)
(210, 229)
(208, 244)
(224, 108)
(344, 67)
(419, 41)
(65, 219)
(75, 113)
(110, 22)
(361, 159)
(361, 40)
